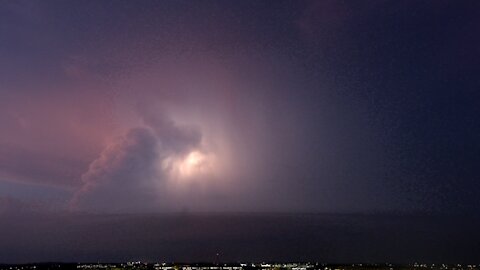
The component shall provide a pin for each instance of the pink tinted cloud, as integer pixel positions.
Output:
(122, 177)
(127, 176)
(49, 137)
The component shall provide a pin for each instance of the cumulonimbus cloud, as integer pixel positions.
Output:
(126, 176)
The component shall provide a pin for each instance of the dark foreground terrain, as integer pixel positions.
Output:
(233, 266)
(403, 239)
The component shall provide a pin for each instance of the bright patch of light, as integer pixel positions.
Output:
(193, 164)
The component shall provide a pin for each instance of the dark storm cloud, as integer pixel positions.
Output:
(129, 175)
(173, 138)
(120, 179)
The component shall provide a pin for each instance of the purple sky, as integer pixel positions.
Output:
(307, 106)
(133, 107)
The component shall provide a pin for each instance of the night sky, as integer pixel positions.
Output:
(323, 124)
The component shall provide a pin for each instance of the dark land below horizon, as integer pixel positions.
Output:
(239, 237)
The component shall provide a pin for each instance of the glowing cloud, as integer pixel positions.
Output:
(191, 166)
(146, 166)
